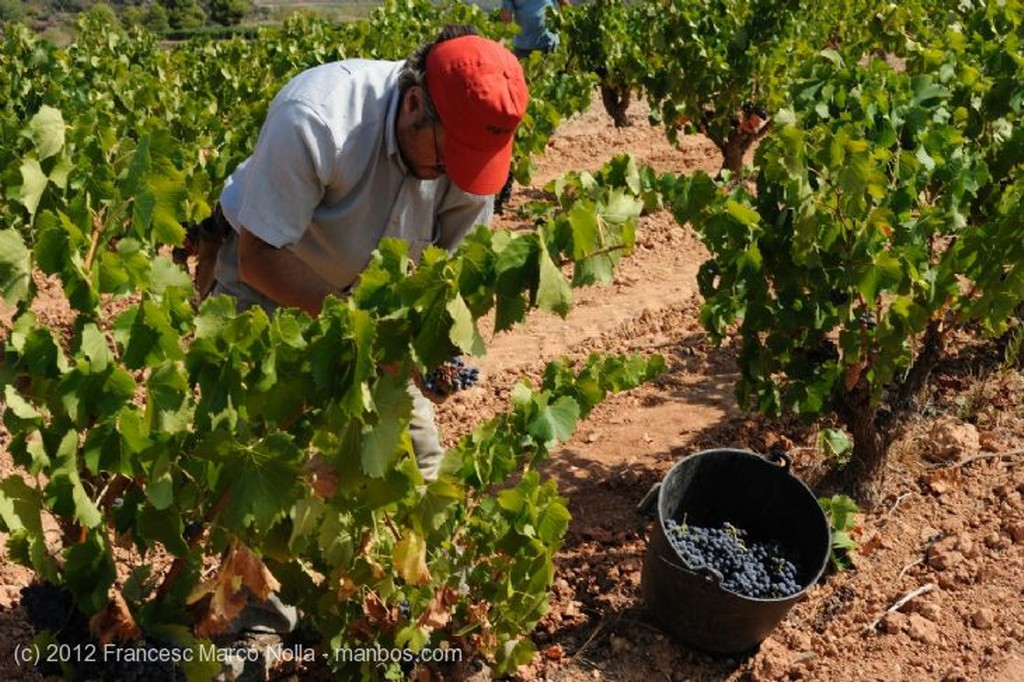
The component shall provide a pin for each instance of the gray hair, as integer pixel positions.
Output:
(414, 71)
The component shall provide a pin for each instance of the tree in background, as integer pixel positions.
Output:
(184, 13)
(229, 12)
(152, 17)
(11, 10)
(103, 13)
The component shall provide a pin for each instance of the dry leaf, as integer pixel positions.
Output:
(226, 590)
(220, 601)
(322, 476)
(376, 611)
(479, 612)
(362, 630)
(115, 623)
(254, 574)
(438, 611)
(365, 553)
(347, 587)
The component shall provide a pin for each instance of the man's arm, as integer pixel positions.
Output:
(280, 275)
(459, 213)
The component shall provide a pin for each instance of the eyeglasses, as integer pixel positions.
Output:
(439, 165)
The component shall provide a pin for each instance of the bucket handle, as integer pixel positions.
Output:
(780, 457)
(646, 506)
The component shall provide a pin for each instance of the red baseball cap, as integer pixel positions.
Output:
(479, 91)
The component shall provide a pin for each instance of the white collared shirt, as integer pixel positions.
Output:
(326, 179)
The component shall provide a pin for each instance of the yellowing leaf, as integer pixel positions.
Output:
(410, 557)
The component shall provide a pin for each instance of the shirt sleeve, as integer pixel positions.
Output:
(286, 174)
(459, 213)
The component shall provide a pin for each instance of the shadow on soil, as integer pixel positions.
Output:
(598, 616)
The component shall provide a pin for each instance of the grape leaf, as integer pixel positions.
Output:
(410, 557)
(15, 268)
(21, 516)
(382, 441)
(94, 347)
(464, 333)
(160, 487)
(47, 130)
(89, 571)
(263, 480)
(34, 181)
(553, 292)
(556, 421)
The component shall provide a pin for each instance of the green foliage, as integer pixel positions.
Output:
(153, 17)
(229, 12)
(184, 13)
(836, 444)
(608, 39)
(840, 259)
(11, 11)
(877, 226)
(164, 416)
(841, 512)
(708, 57)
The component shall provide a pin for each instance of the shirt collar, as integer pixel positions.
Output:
(390, 136)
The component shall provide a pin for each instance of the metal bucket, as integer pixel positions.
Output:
(762, 497)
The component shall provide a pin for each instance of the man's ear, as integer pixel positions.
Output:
(413, 101)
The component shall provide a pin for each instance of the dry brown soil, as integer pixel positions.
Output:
(957, 526)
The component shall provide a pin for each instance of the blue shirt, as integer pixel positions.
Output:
(533, 33)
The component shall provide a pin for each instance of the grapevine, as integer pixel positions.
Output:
(886, 216)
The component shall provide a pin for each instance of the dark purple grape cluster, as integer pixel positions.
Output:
(47, 606)
(503, 195)
(761, 570)
(452, 376)
(51, 608)
(751, 109)
(192, 531)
